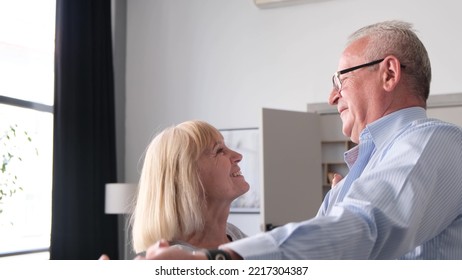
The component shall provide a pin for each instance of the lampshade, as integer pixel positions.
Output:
(119, 198)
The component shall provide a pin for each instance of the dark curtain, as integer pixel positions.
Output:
(84, 153)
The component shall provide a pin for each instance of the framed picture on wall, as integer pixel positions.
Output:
(246, 142)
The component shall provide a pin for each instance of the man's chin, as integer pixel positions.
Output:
(348, 133)
(346, 130)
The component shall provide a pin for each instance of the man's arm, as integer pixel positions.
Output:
(163, 251)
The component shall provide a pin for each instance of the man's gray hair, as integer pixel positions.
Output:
(398, 38)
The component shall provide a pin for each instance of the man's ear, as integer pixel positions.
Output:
(392, 73)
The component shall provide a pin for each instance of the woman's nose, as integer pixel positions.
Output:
(236, 157)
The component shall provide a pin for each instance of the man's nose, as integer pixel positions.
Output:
(334, 96)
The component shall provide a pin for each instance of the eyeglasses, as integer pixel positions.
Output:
(337, 83)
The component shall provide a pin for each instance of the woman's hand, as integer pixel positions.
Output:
(335, 179)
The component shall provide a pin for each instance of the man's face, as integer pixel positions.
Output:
(357, 101)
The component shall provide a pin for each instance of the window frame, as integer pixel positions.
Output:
(36, 106)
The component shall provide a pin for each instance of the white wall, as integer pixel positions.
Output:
(223, 60)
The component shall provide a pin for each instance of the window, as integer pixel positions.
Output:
(27, 29)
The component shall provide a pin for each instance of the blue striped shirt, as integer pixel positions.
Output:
(407, 203)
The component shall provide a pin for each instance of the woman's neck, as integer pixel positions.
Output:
(214, 232)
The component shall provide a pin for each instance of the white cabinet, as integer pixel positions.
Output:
(291, 167)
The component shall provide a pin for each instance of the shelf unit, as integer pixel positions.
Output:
(333, 145)
(332, 161)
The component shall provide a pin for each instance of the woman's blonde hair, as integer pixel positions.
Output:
(171, 198)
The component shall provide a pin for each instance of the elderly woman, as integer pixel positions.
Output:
(188, 181)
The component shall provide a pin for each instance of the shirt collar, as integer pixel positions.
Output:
(388, 126)
(384, 128)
